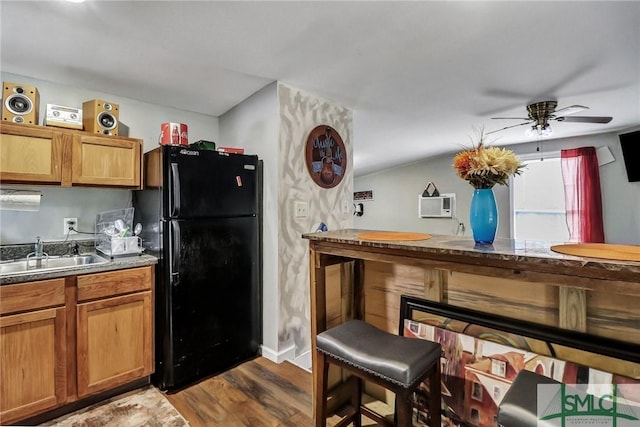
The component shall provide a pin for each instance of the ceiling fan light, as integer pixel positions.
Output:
(539, 130)
(532, 131)
(545, 131)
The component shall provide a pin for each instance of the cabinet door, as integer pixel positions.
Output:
(31, 155)
(106, 161)
(33, 368)
(115, 342)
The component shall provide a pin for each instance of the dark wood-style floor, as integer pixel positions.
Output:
(254, 394)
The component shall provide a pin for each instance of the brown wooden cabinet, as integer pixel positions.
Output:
(33, 348)
(65, 339)
(114, 334)
(55, 156)
(30, 153)
(105, 161)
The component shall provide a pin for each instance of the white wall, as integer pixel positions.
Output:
(395, 193)
(301, 112)
(253, 125)
(142, 121)
(274, 123)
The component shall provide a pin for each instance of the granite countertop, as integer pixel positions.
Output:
(56, 249)
(520, 251)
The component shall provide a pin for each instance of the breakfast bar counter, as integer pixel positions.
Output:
(353, 277)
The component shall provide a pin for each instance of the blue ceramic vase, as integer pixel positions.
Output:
(484, 216)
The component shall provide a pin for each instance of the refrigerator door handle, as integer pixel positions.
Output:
(174, 253)
(175, 190)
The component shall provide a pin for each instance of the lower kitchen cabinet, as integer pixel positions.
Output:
(33, 349)
(115, 339)
(114, 328)
(62, 340)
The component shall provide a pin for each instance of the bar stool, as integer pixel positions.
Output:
(396, 363)
(519, 405)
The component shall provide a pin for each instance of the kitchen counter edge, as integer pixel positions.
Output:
(119, 263)
(521, 251)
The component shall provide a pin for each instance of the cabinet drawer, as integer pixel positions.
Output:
(31, 296)
(101, 285)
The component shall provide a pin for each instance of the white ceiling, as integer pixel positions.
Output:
(419, 76)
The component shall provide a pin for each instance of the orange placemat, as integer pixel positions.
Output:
(392, 236)
(600, 250)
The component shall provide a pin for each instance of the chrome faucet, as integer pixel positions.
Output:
(37, 251)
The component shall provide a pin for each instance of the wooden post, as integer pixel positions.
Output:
(318, 316)
(435, 282)
(358, 289)
(572, 310)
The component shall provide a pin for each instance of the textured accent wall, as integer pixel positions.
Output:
(300, 112)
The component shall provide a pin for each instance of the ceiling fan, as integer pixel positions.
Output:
(541, 113)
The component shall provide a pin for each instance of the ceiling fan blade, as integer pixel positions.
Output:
(509, 118)
(508, 127)
(584, 119)
(570, 110)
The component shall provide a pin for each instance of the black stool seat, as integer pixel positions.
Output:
(519, 405)
(399, 364)
(393, 358)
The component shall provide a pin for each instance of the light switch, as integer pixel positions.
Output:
(346, 208)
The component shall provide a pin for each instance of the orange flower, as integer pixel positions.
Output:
(485, 166)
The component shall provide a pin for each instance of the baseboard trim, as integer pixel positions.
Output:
(278, 357)
(303, 361)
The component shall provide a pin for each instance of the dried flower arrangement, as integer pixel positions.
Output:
(485, 166)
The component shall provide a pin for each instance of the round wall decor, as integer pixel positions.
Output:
(326, 156)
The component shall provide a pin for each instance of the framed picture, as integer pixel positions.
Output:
(326, 156)
(483, 353)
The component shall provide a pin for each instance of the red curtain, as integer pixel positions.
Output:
(583, 201)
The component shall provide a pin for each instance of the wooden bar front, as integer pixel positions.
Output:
(353, 278)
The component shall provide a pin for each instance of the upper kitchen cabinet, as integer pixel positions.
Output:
(55, 156)
(31, 154)
(106, 161)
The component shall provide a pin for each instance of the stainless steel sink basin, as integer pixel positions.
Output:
(45, 264)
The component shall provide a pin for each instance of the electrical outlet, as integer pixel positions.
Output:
(301, 209)
(68, 223)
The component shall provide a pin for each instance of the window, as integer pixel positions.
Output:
(496, 393)
(498, 367)
(475, 416)
(476, 391)
(537, 199)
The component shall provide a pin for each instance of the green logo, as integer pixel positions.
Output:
(571, 405)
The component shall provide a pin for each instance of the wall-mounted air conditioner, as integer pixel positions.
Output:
(442, 206)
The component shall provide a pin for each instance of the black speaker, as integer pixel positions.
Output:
(630, 144)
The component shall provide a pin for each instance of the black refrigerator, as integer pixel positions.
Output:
(200, 212)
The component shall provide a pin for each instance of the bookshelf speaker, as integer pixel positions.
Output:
(20, 103)
(101, 117)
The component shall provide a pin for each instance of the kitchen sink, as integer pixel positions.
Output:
(29, 265)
